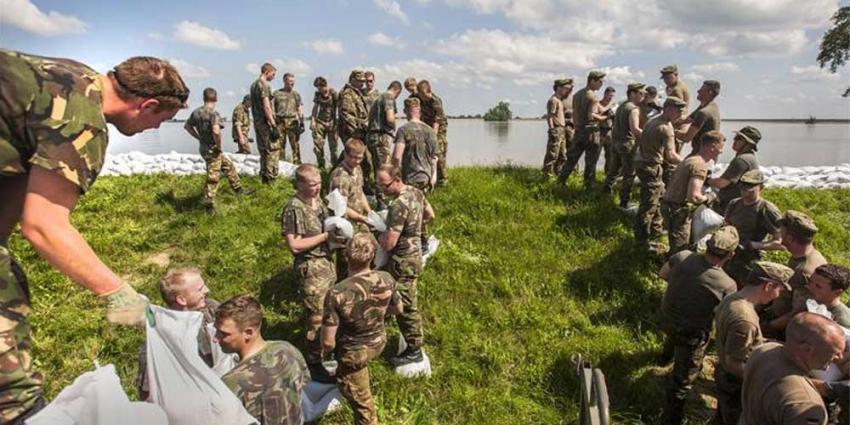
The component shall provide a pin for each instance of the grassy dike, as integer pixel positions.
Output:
(527, 275)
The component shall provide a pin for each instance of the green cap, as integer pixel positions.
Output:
(411, 102)
(724, 239)
(670, 69)
(712, 84)
(799, 223)
(246, 99)
(563, 82)
(750, 134)
(752, 177)
(675, 101)
(652, 90)
(357, 75)
(636, 87)
(596, 74)
(774, 272)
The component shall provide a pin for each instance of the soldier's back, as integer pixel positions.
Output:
(420, 148)
(736, 318)
(358, 305)
(651, 141)
(405, 217)
(695, 289)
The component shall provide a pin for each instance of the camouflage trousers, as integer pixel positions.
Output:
(377, 154)
(352, 378)
(216, 164)
(621, 167)
(322, 131)
(20, 386)
(688, 354)
(678, 220)
(607, 142)
(555, 151)
(586, 143)
(406, 272)
(442, 151)
(269, 152)
(728, 397)
(244, 147)
(315, 277)
(648, 223)
(425, 187)
(289, 130)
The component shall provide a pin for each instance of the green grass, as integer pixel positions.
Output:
(527, 275)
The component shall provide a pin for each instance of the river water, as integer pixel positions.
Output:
(477, 142)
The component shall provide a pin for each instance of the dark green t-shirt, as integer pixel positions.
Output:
(737, 167)
(695, 289)
(420, 148)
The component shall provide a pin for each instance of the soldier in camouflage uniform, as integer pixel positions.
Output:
(434, 115)
(323, 121)
(303, 227)
(410, 86)
(586, 117)
(271, 374)
(205, 125)
(415, 149)
(353, 119)
(370, 93)
(556, 121)
(696, 284)
(241, 121)
(656, 144)
(53, 138)
(382, 115)
(183, 289)
(265, 125)
(347, 177)
(626, 130)
(353, 325)
(289, 114)
(403, 243)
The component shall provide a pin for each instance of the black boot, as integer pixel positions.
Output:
(408, 356)
(318, 373)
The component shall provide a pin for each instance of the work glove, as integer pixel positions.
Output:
(124, 306)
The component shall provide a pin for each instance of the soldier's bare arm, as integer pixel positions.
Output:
(216, 131)
(329, 338)
(46, 224)
(389, 239)
(596, 113)
(239, 133)
(688, 133)
(267, 109)
(298, 244)
(313, 114)
(695, 195)
(664, 273)
(398, 152)
(191, 130)
(434, 161)
(390, 118)
(428, 213)
(634, 122)
(670, 154)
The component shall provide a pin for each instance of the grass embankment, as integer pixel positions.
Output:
(528, 275)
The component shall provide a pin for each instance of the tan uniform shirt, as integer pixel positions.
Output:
(555, 110)
(568, 110)
(653, 140)
(693, 167)
(584, 104)
(680, 90)
(737, 331)
(695, 289)
(777, 392)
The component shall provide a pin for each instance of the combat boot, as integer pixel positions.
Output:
(318, 373)
(408, 356)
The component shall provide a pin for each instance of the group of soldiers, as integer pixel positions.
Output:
(728, 289)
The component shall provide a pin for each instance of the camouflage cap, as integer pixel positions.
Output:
(652, 90)
(751, 134)
(636, 86)
(563, 82)
(670, 69)
(675, 101)
(799, 223)
(752, 178)
(357, 75)
(596, 74)
(246, 99)
(712, 84)
(774, 272)
(724, 239)
(411, 102)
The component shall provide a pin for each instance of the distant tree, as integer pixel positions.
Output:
(835, 46)
(500, 112)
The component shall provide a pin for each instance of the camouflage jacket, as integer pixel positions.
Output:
(350, 184)
(269, 383)
(352, 115)
(52, 117)
(378, 113)
(432, 110)
(259, 90)
(285, 103)
(203, 120)
(241, 121)
(327, 105)
(299, 219)
(370, 99)
(358, 305)
(405, 217)
(420, 151)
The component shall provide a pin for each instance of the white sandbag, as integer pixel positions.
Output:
(376, 222)
(96, 398)
(339, 225)
(318, 399)
(181, 383)
(337, 203)
(433, 244)
(222, 362)
(413, 370)
(381, 258)
(704, 221)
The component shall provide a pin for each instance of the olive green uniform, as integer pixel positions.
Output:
(623, 153)
(285, 105)
(379, 138)
(433, 113)
(357, 305)
(778, 392)
(269, 384)
(680, 90)
(804, 267)
(204, 121)
(353, 117)
(420, 151)
(737, 333)
(586, 141)
(350, 185)
(324, 126)
(569, 133)
(315, 271)
(52, 118)
(675, 208)
(753, 223)
(555, 153)
(649, 156)
(705, 118)
(739, 165)
(241, 121)
(269, 147)
(695, 289)
(405, 264)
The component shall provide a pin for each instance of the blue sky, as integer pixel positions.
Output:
(475, 52)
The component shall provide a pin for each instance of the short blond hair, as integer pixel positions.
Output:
(391, 170)
(174, 283)
(360, 250)
(354, 145)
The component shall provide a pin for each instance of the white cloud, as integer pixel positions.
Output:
(188, 69)
(621, 75)
(295, 66)
(155, 36)
(381, 39)
(326, 46)
(194, 33)
(733, 43)
(693, 77)
(812, 73)
(392, 8)
(713, 68)
(28, 17)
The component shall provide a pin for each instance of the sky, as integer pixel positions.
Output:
(475, 52)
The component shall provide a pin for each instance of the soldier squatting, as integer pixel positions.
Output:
(53, 155)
